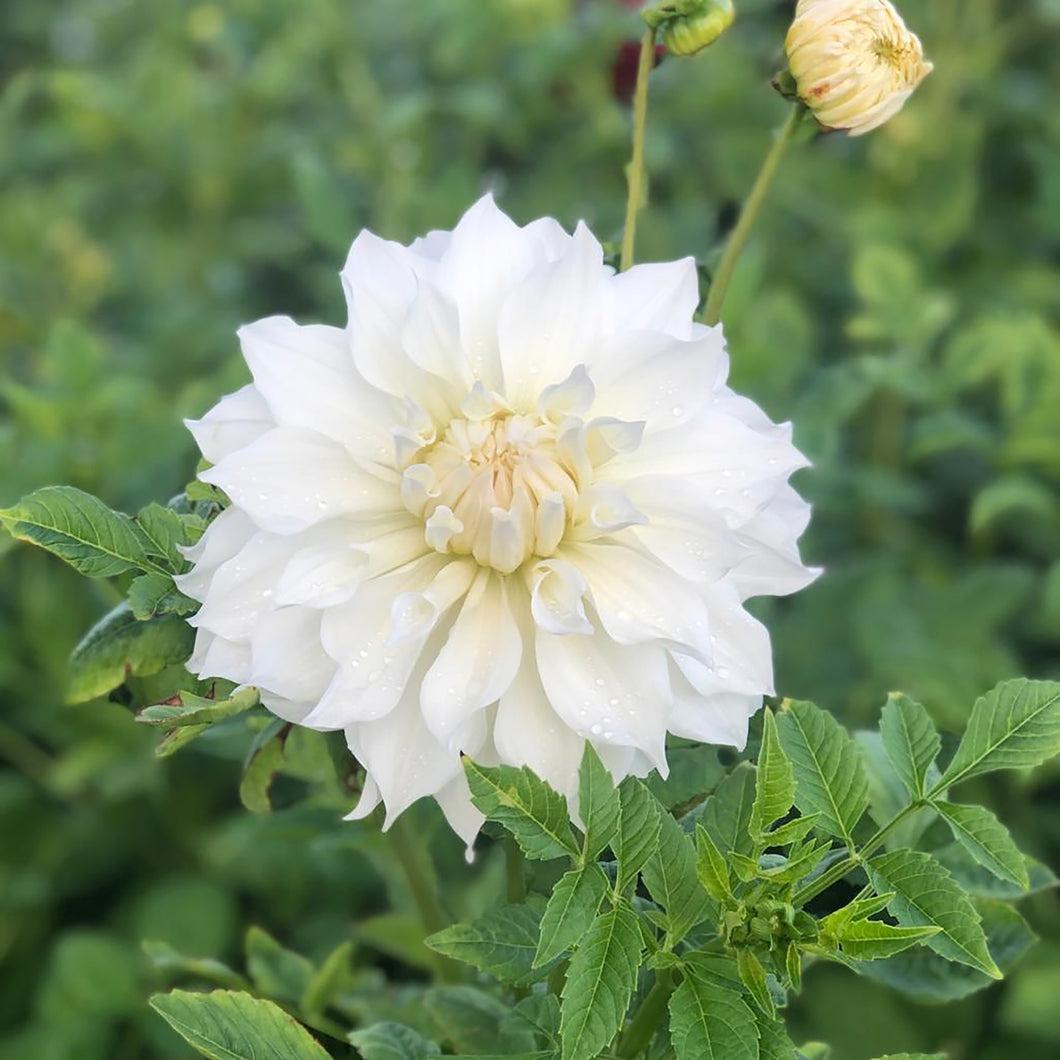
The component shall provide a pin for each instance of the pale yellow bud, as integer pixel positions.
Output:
(854, 61)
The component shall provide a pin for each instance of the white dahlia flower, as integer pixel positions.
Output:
(512, 506)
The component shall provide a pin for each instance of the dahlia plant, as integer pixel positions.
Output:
(497, 535)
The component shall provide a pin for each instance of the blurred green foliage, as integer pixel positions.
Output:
(171, 170)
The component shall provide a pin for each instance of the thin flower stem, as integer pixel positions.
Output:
(414, 859)
(841, 868)
(635, 172)
(648, 1018)
(748, 215)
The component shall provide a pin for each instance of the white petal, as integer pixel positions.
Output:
(557, 589)
(215, 656)
(292, 710)
(610, 693)
(553, 321)
(478, 662)
(639, 599)
(431, 337)
(721, 718)
(658, 297)
(322, 575)
(286, 656)
(464, 819)
(307, 377)
(369, 800)
(222, 539)
(234, 422)
(290, 479)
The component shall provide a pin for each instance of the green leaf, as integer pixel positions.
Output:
(774, 780)
(694, 772)
(927, 977)
(392, 1041)
(753, 977)
(178, 738)
(80, 529)
(872, 940)
(925, 894)
(598, 803)
(197, 710)
(225, 1025)
(888, 796)
(468, 1019)
(263, 762)
(987, 840)
(727, 813)
(911, 741)
(538, 1014)
(710, 1022)
(118, 645)
(570, 912)
(155, 594)
(829, 774)
(773, 1041)
(600, 982)
(329, 980)
(502, 943)
(526, 806)
(1015, 726)
(710, 864)
(274, 969)
(672, 879)
(638, 831)
(169, 960)
(164, 532)
(399, 935)
(982, 883)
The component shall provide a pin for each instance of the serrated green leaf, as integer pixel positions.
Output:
(791, 831)
(80, 529)
(526, 806)
(537, 1014)
(925, 894)
(571, 910)
(774, 780)
(392, 1041)
(727, 813)
(910, 739)
(672, 880)
(710, 1022)
(599, 984)
(982, 883)
(928, 977)
(753, 977)
(638, 830)
(164, 532)
(598, 803)
(773, 1041)
(1015, 726)
(502, 943)
(987, 840)
(155, 594)
(872, 940)
(710, 864)
(793, 966)
(888, 796)
(197, 710)
(829, 775)
(118, 645)
(226, 1025)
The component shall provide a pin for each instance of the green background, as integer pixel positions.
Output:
(169, 171)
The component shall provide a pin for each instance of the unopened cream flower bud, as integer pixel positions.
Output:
(854, 61)
(689, 26)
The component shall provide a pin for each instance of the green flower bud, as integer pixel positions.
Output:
(689, 26)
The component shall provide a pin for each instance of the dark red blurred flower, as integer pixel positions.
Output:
(627, 59)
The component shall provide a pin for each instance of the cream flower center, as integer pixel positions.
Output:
(499, 488)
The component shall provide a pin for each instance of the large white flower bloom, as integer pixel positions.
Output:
(511, 507)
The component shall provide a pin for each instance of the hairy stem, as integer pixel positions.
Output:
(648, 1017)
(635, 172)
(414, 859)
(841, 868)
(748, 215)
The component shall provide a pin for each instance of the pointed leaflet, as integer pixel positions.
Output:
(926, 894)
(773, 1041)
(534, 813)
(982, 883)
(753, 977)
(81, 530)
(1015, 726)
(774, 780)
(710, 1022)
(225, 1025)
(153, 594)
(598, 802)
(873, 940)
(392, 1041)
(638, 830)
(829, 775)
(570, 911)
(599, 984)
(164, 532)
(710, 863)
(502, 943)
(727, 813)
(910, 739)
(987, 840)
(673, 882)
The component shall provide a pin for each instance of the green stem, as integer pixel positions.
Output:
(414, 859)
(635, 172)
(748, 215)
(841, 868)
(516, 870)
(648, 1017)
